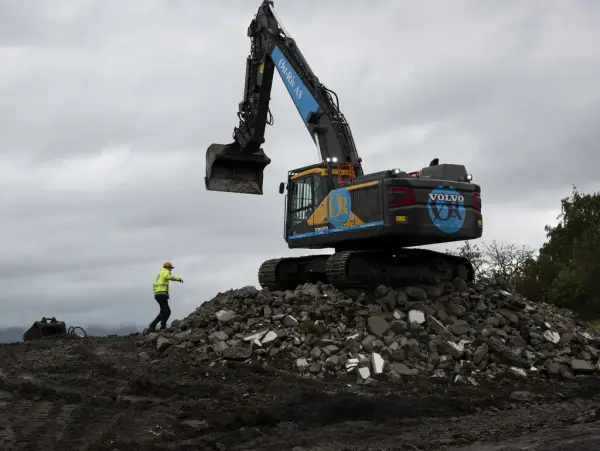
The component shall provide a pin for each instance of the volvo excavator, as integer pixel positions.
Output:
(374, 221)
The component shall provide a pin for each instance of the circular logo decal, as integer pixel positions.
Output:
(339, 206)
(446, 209)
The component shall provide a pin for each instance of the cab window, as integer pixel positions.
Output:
(302, 199)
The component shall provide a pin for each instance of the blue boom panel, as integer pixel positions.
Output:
(303, 99)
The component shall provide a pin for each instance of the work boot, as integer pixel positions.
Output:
(151, 328)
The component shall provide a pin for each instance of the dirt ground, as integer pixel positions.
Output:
(99, 394)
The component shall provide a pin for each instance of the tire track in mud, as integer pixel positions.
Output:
(98, 395)
(45, 417)
(57, 409)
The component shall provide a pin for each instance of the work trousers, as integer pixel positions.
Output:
(165, 311)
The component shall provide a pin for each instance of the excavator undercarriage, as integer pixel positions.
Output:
(364, 269)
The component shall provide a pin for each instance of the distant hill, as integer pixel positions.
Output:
(13, 334)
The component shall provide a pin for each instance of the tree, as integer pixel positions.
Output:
(474, 254)
(567, 270)
(508, 261)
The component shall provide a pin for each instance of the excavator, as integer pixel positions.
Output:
(373, 221)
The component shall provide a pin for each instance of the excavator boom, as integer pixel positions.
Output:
(238, 166)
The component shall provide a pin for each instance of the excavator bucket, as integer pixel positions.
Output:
(230, 169)
(44, 328)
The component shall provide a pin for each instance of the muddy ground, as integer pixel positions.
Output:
(99, 394)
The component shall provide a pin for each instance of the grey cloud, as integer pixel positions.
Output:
(108, 107)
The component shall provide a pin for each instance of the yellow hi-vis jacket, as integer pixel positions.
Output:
(161, 281)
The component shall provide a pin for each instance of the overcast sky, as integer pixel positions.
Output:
(107, 108)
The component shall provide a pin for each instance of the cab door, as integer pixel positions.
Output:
(301, 204)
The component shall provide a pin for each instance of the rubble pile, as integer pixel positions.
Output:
(450, 330)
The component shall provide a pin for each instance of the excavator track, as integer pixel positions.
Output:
(287, 273)
(337, 268)
(368, 269)
(364, 269)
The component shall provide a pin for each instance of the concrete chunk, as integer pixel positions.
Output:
(416, 316)
(517, 372)
(377, 363)
(456, 350)
(553, 337)
(226, 316)
(364, 372)
(302, 364)
(256, 336)
(269, 337)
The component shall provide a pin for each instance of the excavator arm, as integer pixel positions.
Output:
(238, 167)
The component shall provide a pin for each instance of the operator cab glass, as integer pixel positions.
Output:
(306, 190)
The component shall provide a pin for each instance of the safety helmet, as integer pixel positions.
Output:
(167, 264)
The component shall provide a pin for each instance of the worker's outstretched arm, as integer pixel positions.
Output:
(174, 278)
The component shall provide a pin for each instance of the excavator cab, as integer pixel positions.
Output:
(232, 169)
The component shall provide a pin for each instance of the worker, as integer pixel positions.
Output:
(161, 294)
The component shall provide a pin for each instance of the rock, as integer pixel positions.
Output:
(290, 321)
(480, 353)
(517, 372)
(377, 363)
(459, 328)
(463, 332)
(553, 337)
(378, 325)
(453, 349)
(246, 292)
(398, 314)
(218, 336)
(404, 370)
(416, 316)
(184, 334)
(437, 327)
(302, 364)
(582, 366)
(256, 336)
(162, 343)
(416, 294)
(269, 337)
(381, 291)
(220, 346)
(236, 353)
(509, 315)
(351, 364)
(457, 310)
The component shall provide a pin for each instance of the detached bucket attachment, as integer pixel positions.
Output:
(230, 169)
(45, 328)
